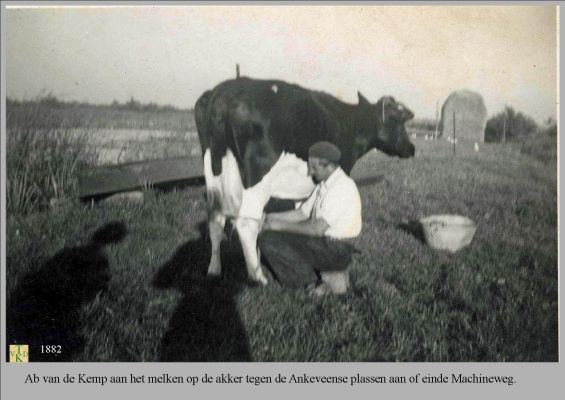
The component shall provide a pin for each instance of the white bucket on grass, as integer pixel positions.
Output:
(448, 232)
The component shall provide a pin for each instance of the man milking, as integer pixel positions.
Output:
(310, 246)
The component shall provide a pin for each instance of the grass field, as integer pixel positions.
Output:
(120, 282)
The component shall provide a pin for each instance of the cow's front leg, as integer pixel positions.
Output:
(248, 230)
(216, 223)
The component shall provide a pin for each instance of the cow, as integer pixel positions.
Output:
(255, 135)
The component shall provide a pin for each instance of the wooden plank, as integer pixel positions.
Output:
(106, 180)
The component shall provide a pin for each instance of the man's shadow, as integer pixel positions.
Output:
(43, 309)
(205, 325)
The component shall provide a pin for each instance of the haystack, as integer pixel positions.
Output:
(470, 116)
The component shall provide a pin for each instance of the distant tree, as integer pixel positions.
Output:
(169, 108)
(549, 128)
(50, 101)
(422, 123)
(150, 107)
(12, 102)
(509, 125)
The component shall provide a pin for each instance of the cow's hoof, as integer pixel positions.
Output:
(214, 272)
(262, 276)
(258, 277)
(264, 281)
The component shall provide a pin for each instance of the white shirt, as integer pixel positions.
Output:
(338, 202)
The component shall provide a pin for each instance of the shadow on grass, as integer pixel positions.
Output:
(206, 325)
(414, 228)
(44, 307)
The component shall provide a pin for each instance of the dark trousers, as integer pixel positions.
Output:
(296, 260)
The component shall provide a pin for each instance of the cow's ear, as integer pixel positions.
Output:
(363, 100)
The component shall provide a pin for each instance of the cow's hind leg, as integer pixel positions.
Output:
(248, 230)
(216, 223)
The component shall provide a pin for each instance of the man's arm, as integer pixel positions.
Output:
(309, 227)
(288, 216)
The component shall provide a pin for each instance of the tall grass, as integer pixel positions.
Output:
(42, 158)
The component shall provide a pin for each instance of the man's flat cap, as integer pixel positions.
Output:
(326, 150)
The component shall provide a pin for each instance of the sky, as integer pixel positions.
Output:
(172, 54)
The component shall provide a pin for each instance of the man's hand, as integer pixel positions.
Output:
(308, 227)
(264, 224)
(270, 223)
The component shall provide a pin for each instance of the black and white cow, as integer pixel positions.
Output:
(255, 136)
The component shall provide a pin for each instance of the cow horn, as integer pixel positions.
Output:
(362, 99)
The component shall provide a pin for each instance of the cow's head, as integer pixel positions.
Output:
(382, 124)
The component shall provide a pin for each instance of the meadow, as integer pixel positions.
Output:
(127, 282)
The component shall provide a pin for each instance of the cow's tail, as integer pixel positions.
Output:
(213, 195)
(200, 112)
